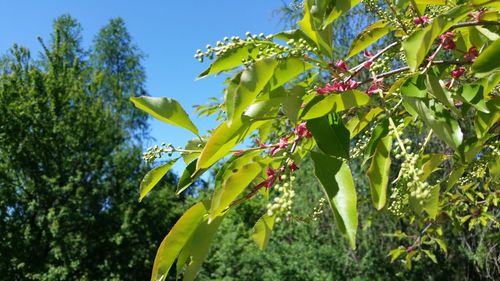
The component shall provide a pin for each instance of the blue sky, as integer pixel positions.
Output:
(168, 32)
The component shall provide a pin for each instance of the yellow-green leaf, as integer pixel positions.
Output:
(230, 59)
(233, 186)
(368, 36)
(341, 6)
(488, 61)
(153, 177)
(357, 123)
(262, 231)
(175, 240)
(335, 103)
(166, 110)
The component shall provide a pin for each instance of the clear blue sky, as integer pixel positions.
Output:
(168, 32)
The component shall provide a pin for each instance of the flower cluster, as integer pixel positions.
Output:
(337, 87)
(282, 205)
(458, 72)
(471, 54)
(156, 152)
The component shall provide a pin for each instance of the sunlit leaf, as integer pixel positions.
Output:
(262, 231)
(335, 103)
(341, 6)
(357, 123)
(322, 38)
(175, 240)
(230, 59)
(251, 82)
(488, 61)
(368, 36)
(153, 177)
(166, 110)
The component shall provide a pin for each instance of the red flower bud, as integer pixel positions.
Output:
(471, 54)
(458, 72)
(447, 40)
(342, 65)
(421, 20)
(293, 166)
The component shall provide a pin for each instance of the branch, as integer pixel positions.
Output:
(406, 68)
(474, 23)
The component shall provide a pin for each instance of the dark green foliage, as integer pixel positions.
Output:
(69, 172)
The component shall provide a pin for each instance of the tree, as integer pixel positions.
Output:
(69, 170)
(118, 72)
(436, 82)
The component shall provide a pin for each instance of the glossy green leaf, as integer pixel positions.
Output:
(437, 89)
(379, 132)
(487, 62)
(175, 240)
(286, 70)
(194, 144)
(357, 123)
(430, 2)
(188, 177)
(336, 179)
(341, 6)
(438, 118)
(378, 173)
(395, 253)
(418, 44)
(336, 103)
(484, 121)
(473, 95)
(431, 204)
(322, 38)
(251, 82)
(230, 59)
(262, 231)
(223, 139)
(232, 187)
(429, 163)
(166, 110)
(330, 135)
(200, 245)
(368, 36)
(294, 34)
(153, 177)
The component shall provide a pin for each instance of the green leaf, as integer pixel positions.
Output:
(262, 231)
(430, 2)
(232, 186)
(223, 139)
(322, 38)
(429, 163)
(430, 255)
(368, 36)
(437, 90)
(484, 121)
(230, 59)
(335, 103)
(330, 135)
(175, 240)
(395, 253)
(196, 143)
(357, 123)
(418, 44)
(251, 82)
(166, 110)
(431, 204)
(378, 173)
(153, 177)
(438, 118)
(379, 132)
(487, 62)
(473, 95)
(336, 179)
(286, 70)
(341, 6)
(188, 177)
(200, 245)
